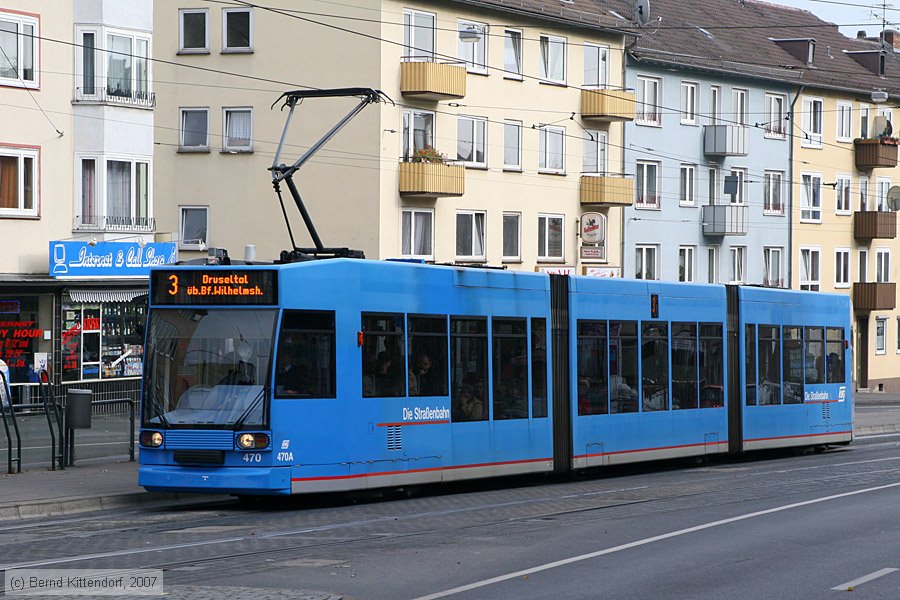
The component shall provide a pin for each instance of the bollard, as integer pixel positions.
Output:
(78, 416)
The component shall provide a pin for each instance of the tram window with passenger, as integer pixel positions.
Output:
(510, 362)
(815, 355)
(468, 369)
(684, 366)
(427, 356)
(769, 343)
(834, 360)
(793, 365)
(654, 366)
(712, 366)
(384, 364)
(306, 355)
(538, 367)
(593, 382)
(623, 366)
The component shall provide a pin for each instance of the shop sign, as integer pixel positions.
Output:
(593, 252)
(592, 228)
(557, 270)
(610, 272)
(108, 259)
(16, 340)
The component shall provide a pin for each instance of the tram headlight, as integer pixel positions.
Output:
(151, 439)
(252, 441)
(245, 441)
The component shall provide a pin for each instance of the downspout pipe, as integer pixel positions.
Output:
(790, 262)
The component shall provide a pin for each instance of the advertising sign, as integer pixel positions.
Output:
(108, 259)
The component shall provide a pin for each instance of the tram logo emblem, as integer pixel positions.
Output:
(842, 393)
(285, 444)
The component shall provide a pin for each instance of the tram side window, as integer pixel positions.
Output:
(510, 350)
(815, 355)
(769, 390)
(834, 359)
(306, 355)
(623, 366)
(384, 364)
(468, 369)
(684, 366)
(593, 382)
(654, 366)
(750, 363)
(427, 356)
(793, 365)
(538, 368)
(712, 366)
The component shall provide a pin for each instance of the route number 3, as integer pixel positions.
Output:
(173, 287)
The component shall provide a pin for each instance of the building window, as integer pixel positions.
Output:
(741, 196)
(882, 186)
(775, 116)
(842, 268)
(712, 259)
(688, 103)
(512, 54)
(739, 106)
(594, 160)
(738, 263)
(772, 187)
(812, 123)
(418, 133)
(18, 182)
(552, 149)
(471, 141)
(474, 52)
(237, 30)
(193, 32)
(687, 185)
(512, 145)
(883, 265)
(772, 260)
(195, 129)
(238, 128)
(842, 195)
(18, 50)
(863, 121)
(550, 237)
(686, 263)
(844, 122)
(811, 198)
(648, 98)
(645, 262)
(553, 59)
(128, 194)
(418, 36)
(647, 184)
(880, 330)
(511, 237)
(595, 66)
(89, 215)
(89, 63)
(863, 193)
(470, 235)
(809, 269)
(713, 191)
(417, 233)
(194, 227)
(127, 67)
(715, 104)
(863, 265)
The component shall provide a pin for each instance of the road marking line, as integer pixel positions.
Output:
(877, 435)
(846, 587)
(645, 541)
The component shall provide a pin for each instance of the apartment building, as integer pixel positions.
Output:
(504, 128)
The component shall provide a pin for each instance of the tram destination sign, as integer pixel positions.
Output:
(214, 286)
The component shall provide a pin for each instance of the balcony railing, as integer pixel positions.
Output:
(874, 296)
(102, 95)
(725, 219)
(608, 105)
(432, 179)
(725, 140)
(872, 153)
(430, 80)
(606, 190)
(874, 224)
(108, 223)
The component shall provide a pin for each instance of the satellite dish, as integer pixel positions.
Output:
(893, 198)
(642, 11)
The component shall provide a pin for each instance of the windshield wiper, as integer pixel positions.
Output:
(156, 405)
(246, 414)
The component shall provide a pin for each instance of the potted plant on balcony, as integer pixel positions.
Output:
(427, 154)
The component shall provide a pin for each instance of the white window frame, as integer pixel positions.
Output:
(882, 186)
(880, 338)
(863, 265)
(185, 11)
(595, 148)
(192, 244)
(689, 103)
(474, 214)
(740, 99)
(508, 126)
(712, 264)
(544, 251)
(712, 182)
(509, 46)
(237, 49)
(21, 21)
(408, 131)
(883, 265)
(715, 104)
(687, 185)
(775, 116)
(644, 255)
(181, 131)
(473, 54)
(412, 51)
(518, 256)
(773, 264)
(473, 124)
(92, 220)
(550, 42)
(234, 148)
(104, 50)
(810, 210)
(97, 58)
(740, 199)
(544, 154)
(738, 256)
(687, 260)
(602, 66)
(844, 125)
(813, 280)
(864, 124)
(642, 195)
(648, 110)
(773, 184)
(842, 268)
(812, 122)
(133, 162)
(21, 153)
(864, 193)
(412, 232)
(843, 202)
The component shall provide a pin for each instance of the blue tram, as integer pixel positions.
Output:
(347, 374)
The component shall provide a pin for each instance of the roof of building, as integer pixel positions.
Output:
(583, 13)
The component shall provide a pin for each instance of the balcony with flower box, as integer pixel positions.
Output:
(874, 296)
(431, 80)
(428, 173)
(875, 153)
(874, 225)
(606, 189)
(607, 105)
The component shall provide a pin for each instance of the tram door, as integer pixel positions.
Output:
(862, 352)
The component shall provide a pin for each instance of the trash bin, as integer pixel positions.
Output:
(78, 409)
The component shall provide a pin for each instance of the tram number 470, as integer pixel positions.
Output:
(252, 458)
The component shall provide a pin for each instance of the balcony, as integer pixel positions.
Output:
(429, 80)
(432, 179)
(872, 153)
(874, 296)
(97, 223)
(725, 140)
(607, 105)
(725, 219)
(102, 95)
(606, 190)
(874, 224)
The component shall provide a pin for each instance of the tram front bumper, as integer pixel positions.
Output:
(216, 480)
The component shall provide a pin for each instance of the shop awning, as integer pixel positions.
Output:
(105, 295)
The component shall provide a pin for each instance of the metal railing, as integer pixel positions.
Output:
(6, 407)
(102, 223)
(101, 94)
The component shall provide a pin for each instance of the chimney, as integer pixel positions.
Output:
(861, 34)
(891, 38)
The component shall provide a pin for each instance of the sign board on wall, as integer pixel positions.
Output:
(592, 230)
(108, 259)
(603, 271)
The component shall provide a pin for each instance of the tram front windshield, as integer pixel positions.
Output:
(208, 368)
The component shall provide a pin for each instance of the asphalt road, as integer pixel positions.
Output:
(776, 526)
